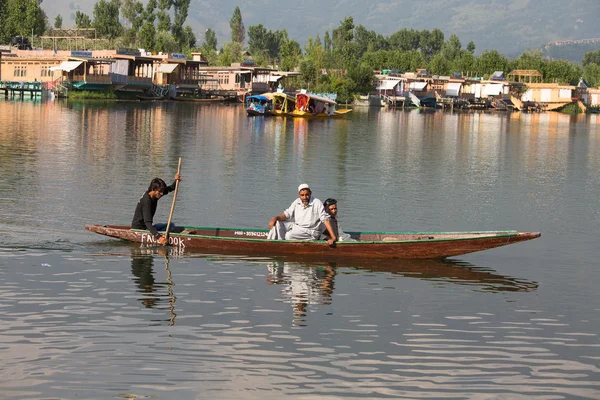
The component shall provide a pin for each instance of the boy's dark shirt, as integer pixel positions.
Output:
(145, 210)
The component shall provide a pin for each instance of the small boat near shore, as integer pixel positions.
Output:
(374, 245)
(258, 104)
(282, 104)
(310, 105)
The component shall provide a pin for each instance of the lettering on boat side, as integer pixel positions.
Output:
(250, 233)
(173, 241)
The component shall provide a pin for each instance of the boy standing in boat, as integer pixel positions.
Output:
(306, 214)
(146, 208)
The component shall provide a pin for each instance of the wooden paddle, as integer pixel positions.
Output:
(173, 204)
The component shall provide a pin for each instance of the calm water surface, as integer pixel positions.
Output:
(88, 317)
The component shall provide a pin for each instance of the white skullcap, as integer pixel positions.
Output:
(303, 186)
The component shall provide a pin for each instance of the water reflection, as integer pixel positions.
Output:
(310, 282)
(152, 292)
(303, 285)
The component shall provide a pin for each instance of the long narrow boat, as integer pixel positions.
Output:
(378, 245)
(310, 105)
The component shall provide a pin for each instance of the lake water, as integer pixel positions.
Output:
(84, 316)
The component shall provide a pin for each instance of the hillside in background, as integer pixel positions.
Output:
(572, 50)
(509, 26)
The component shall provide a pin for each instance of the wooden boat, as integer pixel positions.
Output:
(216, 99)
(309, 105)
(282, 104)
(151, 98)
(378, 245)
(258, 104)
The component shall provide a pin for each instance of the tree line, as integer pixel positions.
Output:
(342, 61)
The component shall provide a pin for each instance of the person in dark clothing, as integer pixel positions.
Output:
(146, 208)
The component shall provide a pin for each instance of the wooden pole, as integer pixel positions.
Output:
(173, 204)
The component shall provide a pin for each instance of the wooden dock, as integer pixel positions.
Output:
(20, 89)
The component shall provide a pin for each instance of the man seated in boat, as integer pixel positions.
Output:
(331, 208)
(306, 217)
(146, 208)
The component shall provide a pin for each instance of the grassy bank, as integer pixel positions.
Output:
(87, 95)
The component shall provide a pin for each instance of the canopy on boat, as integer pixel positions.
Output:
(308, 96)
(259, 97)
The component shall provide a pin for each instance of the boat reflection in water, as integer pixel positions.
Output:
(312, 282)
(305, 282)
(153, 294)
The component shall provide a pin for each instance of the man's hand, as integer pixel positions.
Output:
(331, 241)
(177, 177)
(272, 222)
(162, 240)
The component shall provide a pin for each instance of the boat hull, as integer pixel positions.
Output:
(375, 245)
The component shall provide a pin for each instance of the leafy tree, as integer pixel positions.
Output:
(562, 71)
(257, 39)
(210, 41)
(290, 53)
(132, 12)
(148, 36)
(471, 47)
(365, 40)
(431, 42)
(230, 53)
(464, 63)
(166, 42)
(180, 12)
(236, 24)
(344, 50)
(591, 57)
(490, 61)
(106, 18)
(21, 17)
(405, 40)
(189, 39)
(148, 14)
(440, 65)
(451, 48)
(533, 59)
(82, 20)
(591, 74)
(58, 22)
(164, 19)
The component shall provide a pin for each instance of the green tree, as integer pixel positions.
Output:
(464, 63)
(404, 40)
(22, 17)
(106, 18)
(344, 51)
(148, 36)
(591, 57)
(257, 39)
(431, 43)
(289, 52)
(562, 71)
(58, 22)
(230, 53)
(82, 20)
(166, 42)
(148, 15)
(471, 47)
(210, 41)
(164, 19)
(533, 59)
(236, 24)
(365, 40)
(132, 12)
(440, 65)
(591, 74)
(188, 38)
(451, 49)
(180, 14)
(490, 61)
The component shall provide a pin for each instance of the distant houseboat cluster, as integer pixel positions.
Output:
(135, 74)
